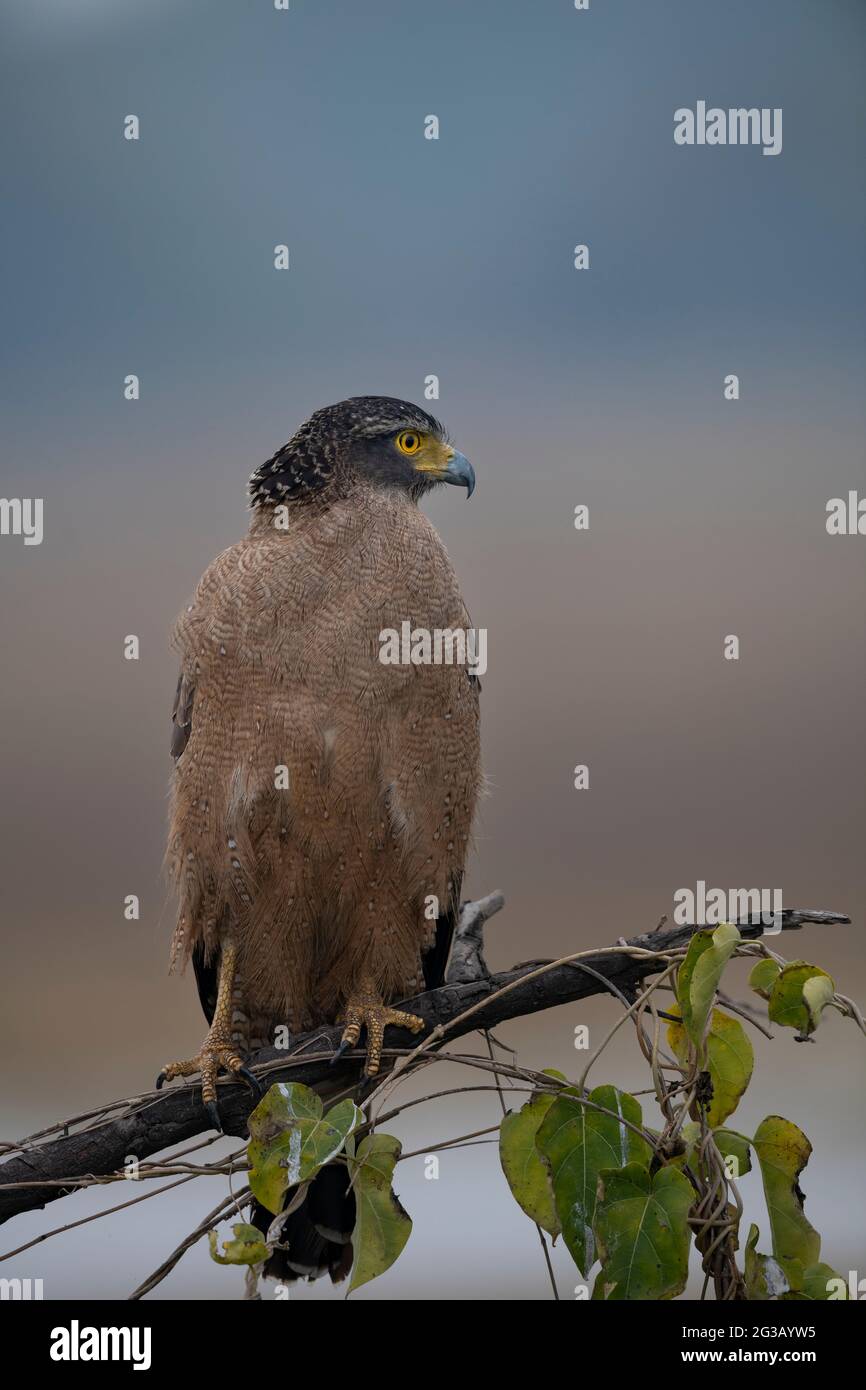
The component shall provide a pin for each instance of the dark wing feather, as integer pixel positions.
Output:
(207, 980)
(206, 972)
(181, 715)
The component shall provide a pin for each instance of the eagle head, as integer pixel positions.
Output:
(378, 439)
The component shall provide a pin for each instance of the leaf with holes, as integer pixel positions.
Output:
(783, 1152)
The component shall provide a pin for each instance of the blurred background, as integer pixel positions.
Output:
(602, 387)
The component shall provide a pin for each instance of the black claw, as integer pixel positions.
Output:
(160, 1079)
(214, 1115)
(339, 1051)
(252, 1081)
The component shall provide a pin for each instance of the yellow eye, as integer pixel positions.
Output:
(408, 441)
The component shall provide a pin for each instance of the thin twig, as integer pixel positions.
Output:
(212, 1219)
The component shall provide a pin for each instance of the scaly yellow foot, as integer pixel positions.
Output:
(365, 1009)
(217, 1050)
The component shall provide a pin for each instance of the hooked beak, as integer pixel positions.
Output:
(459, 471)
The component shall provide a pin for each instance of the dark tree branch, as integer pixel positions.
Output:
(148, 1124)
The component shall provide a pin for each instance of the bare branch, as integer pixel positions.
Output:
(150, 1123)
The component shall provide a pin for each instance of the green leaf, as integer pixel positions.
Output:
(734, 1146)
(643, 1233)
(763, 976)
(527, 1173)
(576, 1142)
(799, 995)
(729, 1059)
(731, 1145)
(699, 975)
(247, 1248)
(291, 1139)
(822, 1283)
(765, 1278)
(382, 1227)
(783, 1152)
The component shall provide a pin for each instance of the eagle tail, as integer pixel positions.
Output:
(318, 1236)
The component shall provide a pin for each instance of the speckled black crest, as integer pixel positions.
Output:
(314, 455)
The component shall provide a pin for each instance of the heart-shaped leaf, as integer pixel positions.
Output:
(291, 1139)
(576, 1142)
(643, 1234)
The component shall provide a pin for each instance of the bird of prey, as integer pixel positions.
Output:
(322, 800)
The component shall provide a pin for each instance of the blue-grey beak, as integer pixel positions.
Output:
(460, 472)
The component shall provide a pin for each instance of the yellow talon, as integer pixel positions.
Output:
(365, 1008)
(218, 1049)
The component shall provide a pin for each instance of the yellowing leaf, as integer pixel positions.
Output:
(728, 1058)
(291, 1139)
(765, 1278)
(783, 1152)
(799, 995)
(763, 976)
(821, 1283)
(699, 975)
(382, 1227)
(247, 1248)
(527, 1174)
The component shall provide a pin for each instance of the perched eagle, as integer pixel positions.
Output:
(322, 800)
